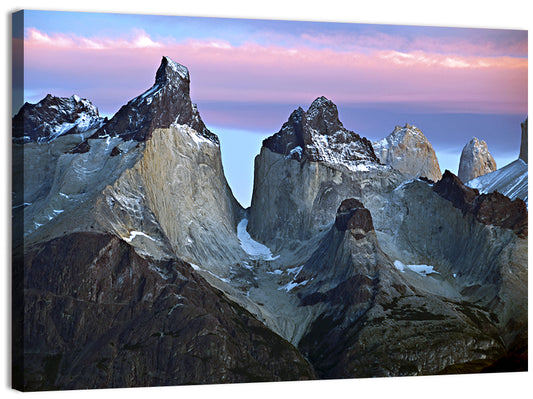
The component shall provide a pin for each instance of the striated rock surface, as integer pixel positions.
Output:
(476, 160)
(137, 267)
(409, 151)
(53, 117)
(511, 181)
(376, 317)
(142, 199)
(98, 315)
(523, 142)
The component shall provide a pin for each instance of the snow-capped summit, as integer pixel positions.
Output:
(166, 103)
(476, 160)
(319, 136)
(409, 151)
(53, 117)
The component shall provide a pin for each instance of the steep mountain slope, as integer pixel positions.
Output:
(511, 181)
(305, 170)
(377, 317)
(475, 161)
(407, 149)
(108, 222)
(426, 278)
(138, 267)
(96, 314)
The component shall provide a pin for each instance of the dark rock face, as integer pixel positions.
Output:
(490, 209)
(53, 117)
(307, 134)
(165, 103)
(373, 322)
(353, 215)
(97, 315)
(523, 143)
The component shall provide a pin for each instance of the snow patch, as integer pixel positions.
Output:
(253, 248)
(134, 234)
(295, 270)
(423, 270)
(289, 286)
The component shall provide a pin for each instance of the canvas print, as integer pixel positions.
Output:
(207, 200)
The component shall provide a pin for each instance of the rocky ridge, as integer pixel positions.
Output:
(318, 135)
(475, 161)
(115, 185)
(53, 117)
(409, 151)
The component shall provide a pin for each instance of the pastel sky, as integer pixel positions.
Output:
(248, 75)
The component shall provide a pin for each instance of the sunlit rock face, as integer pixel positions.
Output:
(407, 149)
(476, 160)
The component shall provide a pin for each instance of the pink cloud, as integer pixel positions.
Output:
(109, 69)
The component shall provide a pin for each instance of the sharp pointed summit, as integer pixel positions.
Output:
(166, 103)
(319, 136)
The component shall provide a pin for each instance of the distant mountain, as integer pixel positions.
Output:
(53, 117)
(475, 161)
(409, 151)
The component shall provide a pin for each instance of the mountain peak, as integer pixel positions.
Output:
(476, 160)
(353, 215)
(523, 142)
(166, 103)
(55, 116)
(407, 149)
(323, 116)
(170, 71)
(319, 136)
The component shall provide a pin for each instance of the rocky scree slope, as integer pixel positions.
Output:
(377, 319)
(96, 314)
(108, 222)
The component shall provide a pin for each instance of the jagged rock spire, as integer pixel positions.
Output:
(408, 150)
(55, 116)
(318, 135)
(476, 160)
(165, 103)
